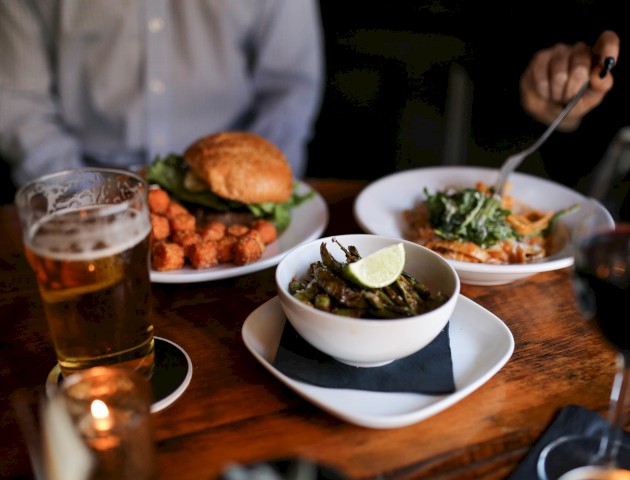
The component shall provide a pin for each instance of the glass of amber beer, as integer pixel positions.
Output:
(86, 234)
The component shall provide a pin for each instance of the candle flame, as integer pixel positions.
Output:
(99, 409)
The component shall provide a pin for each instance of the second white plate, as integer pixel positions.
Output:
(480, 343)
(379, 209)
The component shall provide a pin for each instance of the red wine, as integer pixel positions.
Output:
(602, 268)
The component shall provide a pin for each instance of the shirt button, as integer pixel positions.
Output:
(156, 86)
(156, 24)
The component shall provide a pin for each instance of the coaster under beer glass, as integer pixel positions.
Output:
(86, 234)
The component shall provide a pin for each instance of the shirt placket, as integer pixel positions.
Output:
(158, 86)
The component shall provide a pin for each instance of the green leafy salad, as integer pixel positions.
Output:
(469, 214)
(170, 172)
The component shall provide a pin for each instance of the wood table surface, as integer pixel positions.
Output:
(234, 410)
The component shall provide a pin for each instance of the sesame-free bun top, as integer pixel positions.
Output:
(241, 166)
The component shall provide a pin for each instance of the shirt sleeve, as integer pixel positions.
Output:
(33, 139)
(288, 74)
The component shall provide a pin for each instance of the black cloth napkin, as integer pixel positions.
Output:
(571, 420)
(428, 371)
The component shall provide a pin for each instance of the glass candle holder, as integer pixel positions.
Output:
(97, 426)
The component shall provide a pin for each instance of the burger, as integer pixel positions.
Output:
(231, 172)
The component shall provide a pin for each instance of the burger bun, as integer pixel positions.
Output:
(241, 166)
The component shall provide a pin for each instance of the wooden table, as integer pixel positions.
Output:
(236, 411)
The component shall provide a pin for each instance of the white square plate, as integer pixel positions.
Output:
(480, 345)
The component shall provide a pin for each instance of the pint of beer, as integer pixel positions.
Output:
(86, 235)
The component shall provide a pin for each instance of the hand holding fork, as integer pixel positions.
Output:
(550, 81)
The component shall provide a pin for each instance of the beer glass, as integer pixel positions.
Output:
(86, 234)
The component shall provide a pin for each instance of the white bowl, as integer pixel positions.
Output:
(359, 341)
(379, 209)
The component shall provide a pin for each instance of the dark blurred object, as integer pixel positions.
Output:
(610, 182)
(283, 469)
(388, 65)
(571, 420)
(7, 189)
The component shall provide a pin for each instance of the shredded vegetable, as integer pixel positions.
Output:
(473, 225)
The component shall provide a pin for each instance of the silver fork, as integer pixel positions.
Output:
(513, 161)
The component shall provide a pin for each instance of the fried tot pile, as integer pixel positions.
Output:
(178, 239)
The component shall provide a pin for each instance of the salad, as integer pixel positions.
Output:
(474, 225)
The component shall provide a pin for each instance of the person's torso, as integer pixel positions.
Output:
(153, 75)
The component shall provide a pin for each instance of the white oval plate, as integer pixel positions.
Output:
(308, 222)
(480, 345)
(379, 207)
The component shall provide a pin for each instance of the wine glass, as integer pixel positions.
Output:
(601, 280)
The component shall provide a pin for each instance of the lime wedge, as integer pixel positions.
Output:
(378, 269)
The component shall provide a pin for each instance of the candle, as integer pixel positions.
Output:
(104, 428)
(110, 409)
(100, 412)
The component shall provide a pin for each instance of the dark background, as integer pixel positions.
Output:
(388, 105)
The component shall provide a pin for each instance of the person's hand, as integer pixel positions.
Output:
(554, 75)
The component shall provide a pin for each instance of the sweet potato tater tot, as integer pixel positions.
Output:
(174, 209)
(182, 238)
(255, 234)
(167, 256)
(159, 200)
(185, 238)
(246, 250)
(267, 230)
(213, 230)
(224, 247)
(183, 221)
(236, 229)
(160, 227)
(203, 254)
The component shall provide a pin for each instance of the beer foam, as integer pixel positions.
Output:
(88, 233)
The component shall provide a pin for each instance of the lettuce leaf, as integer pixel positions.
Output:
(169, 173)
(469, 215)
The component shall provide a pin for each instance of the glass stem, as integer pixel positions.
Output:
(617, 411)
